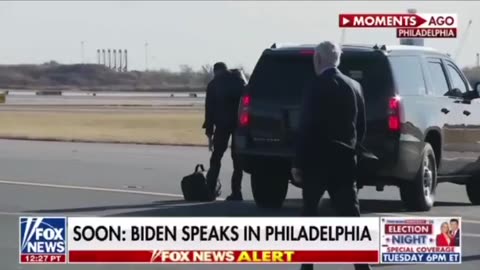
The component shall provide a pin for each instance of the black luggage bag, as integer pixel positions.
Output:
(194, 186)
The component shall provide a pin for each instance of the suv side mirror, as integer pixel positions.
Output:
(455, 92)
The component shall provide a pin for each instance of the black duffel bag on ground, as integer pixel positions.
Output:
(194, 186)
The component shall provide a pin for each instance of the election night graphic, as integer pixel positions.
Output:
(42, 239)
(421, 240)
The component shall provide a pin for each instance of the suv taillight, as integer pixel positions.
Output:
(394, 118)
(244, 114)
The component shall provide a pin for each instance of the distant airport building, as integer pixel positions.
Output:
(412, 41)
(119, 59)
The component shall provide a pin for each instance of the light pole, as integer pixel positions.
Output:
(412, 41)
(82, 46)
(146, 56)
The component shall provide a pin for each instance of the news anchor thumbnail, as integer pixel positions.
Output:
(455, 232)
(444, 239)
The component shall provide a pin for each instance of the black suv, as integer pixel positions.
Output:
(423, 120)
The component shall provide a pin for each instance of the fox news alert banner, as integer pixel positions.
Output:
(421, 240)
(54, 240)
(223, 240)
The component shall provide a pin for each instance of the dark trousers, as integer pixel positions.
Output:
(220, 145)
(338, 178)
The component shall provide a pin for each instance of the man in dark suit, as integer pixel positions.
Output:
(332, 124)
(221, 108)
(455, 232)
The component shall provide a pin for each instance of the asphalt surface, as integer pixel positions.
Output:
(54, 178)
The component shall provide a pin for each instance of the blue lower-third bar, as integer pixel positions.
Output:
(436, 258)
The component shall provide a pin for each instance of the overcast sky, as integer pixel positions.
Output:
(197, 33)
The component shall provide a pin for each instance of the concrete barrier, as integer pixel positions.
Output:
(48, 93)
(102, 94)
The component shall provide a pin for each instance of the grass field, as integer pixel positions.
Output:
(164, 127)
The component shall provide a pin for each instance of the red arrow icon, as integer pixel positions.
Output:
(345, 20)
(419, 20)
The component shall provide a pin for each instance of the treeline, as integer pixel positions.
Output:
(98, 77)
(473, 74)
(57, 76)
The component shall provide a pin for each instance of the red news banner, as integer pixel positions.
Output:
(171, 240)
(407, 25)
(223, 256)
(223, 240)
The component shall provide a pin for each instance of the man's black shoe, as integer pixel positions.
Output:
(306, 267)
(210, 197)
(362, 267)
(213, 195)
(235, 197)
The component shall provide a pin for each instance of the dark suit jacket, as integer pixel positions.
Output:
(221, 102)
(332, 121)
(456, 238)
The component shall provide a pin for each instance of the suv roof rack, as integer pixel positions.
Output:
(277, 45)
(382, 48)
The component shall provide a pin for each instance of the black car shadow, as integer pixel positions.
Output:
(292, 207)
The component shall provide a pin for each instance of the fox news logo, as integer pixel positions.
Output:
(40, 235)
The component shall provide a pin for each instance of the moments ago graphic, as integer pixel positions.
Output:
(421, 240)
(42, 240)
(410, 25)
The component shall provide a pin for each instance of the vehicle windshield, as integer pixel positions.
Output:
(284, 77)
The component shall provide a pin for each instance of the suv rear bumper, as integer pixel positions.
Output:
(400, 165)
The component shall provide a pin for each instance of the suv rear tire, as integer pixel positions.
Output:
(419, 195)
(473, 191)
(269, 189)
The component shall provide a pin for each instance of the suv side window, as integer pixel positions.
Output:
(456, 79)
(408, 75)
(438, 77)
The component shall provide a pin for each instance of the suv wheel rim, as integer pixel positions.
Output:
(427, 177)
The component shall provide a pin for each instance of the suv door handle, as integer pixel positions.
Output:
(445, 110)
(467, 113)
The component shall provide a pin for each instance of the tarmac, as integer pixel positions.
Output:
(82, 179)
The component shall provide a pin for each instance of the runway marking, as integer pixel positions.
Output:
(90, 188)
(37, 214)
(410, 215)
(115, 211)
(21, 183)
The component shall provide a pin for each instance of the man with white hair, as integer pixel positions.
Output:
(332, 123)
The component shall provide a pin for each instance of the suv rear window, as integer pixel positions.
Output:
(371, 70)
(280, 76)
(408, 74)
